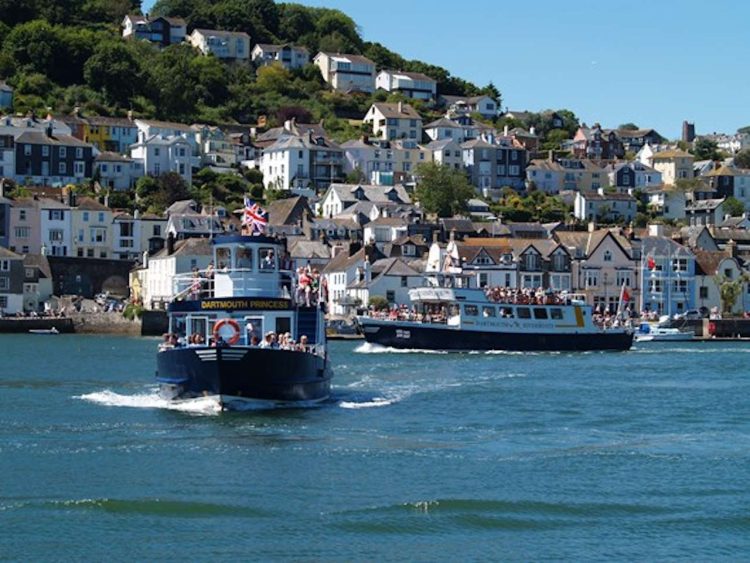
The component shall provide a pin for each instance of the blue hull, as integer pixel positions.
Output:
(260, 374)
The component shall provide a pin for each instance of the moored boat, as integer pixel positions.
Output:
(238, 335)
(448, 314)
(654, 333)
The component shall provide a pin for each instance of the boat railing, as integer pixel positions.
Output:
(200, 284)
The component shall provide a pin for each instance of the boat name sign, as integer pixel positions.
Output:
(245, 304)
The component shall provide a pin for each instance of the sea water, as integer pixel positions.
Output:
(418, 456)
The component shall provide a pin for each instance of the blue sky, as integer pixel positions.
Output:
(651, 62)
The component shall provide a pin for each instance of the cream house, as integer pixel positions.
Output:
(394, 121)
(674, 165)
(224, 45)
(346, 73)
(91, 225)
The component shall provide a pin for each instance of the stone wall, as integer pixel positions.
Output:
(89, 276)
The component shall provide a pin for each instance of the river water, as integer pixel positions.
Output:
(424, 457)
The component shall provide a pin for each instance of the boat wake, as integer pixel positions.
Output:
(151, 400)
(370, 348)
(373, 403)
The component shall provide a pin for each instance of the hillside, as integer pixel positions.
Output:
(59, 54)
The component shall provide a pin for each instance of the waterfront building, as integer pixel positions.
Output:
(24, 229)
(667, 270)
(713, 268)
(177, 257)
(91, 224)
(5, 207)
(11, 282)
(37, 282)
(132, 235)
(56, 228)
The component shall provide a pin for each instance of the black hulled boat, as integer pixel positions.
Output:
(225, 328)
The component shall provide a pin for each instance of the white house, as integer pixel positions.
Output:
(345, 268)
(224, 45)
(483, 105)
(158, 155)
(711, 269)
(705, 211)
(338, 197)
(161, 30)
(411, 84)
(116, 171)
(151, 127)
(391, 278)
(385, 230)
(302, 163)
(11, 282)
(546, 175)
(394, 121)
(163, 266)
(132, 235)
(445, 128)
(347, 73)
(447, 152)
(55, 228)
(667, 201)
(604, 206)
(288, 56)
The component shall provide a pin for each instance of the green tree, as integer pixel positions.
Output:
(175, 87)
(112, 69)
(742, 159)
(706, 149)
(733, 206)
(729, 291)
(628, 126)
(442, 190)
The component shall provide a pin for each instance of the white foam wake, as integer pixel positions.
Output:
(371, 348)
(202, 405)
(374, 403)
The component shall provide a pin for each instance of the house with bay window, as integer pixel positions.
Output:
(91, 224)
(55, 228)
(668, 271)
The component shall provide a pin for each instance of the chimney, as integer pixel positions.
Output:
(592, 226)
(505, 131)
(731, 248)
(170, 244)
(401, 107)
(136, 214)
(551, 155)
(367, 272)
(130, 115)
(76, 111)
(532, 130)
(655, 230)
(48, 129)
(72, 198)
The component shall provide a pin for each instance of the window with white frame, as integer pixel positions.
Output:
(591, 278)
(4, 265)
(624, 277)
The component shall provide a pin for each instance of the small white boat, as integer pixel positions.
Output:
(52, 330)
(650, 333)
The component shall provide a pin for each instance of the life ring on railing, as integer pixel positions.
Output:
(220, 324)
(712, 328)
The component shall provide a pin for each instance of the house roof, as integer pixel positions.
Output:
(165, 124)
(41, 138)
(389, 222)
(283, 211)
(5, 87)
(410, 75)
(347, 58)
(397, 111)
(221, 33)
(309, 249)
(9, 255)
(443, 122)
(544, 164)
(181, 207)
(725, 170)
(708, 261)
(111, 121)
(371, 193)
(393, 267)
(90, 204)
(607, 196)
(674, 153)
(40, 262)
(112, 157)
(278, 47)
(703, 204)
(197, 246)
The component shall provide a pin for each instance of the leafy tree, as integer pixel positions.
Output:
(729, 291)
(294, 22)
(175, 90)
(706, 149)
(442, 190)
(492, 91)
(742, 159)
(554, 139)
(628, 126)
(378, 303)
(111, 69)
(733, 207)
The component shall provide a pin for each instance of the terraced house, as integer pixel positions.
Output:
(46, 158)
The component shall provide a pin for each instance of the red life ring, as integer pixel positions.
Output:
(711, 328)
(235, 330)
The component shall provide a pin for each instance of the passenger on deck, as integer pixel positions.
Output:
(302, 346)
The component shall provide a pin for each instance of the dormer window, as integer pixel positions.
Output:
(607, 256)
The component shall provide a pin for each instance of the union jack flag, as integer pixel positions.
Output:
(255, 216)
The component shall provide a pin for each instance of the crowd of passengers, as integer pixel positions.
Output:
(307, 287)
(526, 296)
(431, 314)
(281, 341)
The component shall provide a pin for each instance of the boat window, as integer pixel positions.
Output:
(254, 329)
(471, 310)
(267, 259)
(524, 312)
(556, 313)
(540, 313)
(245, 258)
(284, 324)
(506, 312)
(488, 312)
(223, 258)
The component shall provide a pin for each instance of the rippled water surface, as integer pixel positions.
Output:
(639, 455)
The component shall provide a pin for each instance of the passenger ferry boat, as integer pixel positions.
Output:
(222, 326)
(448, 314)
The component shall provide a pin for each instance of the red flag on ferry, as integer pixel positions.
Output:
(651, 263)
(625, 295)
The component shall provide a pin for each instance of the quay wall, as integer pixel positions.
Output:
(8, 325)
